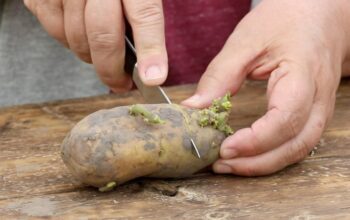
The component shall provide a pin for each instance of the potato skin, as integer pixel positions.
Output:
(112, 145)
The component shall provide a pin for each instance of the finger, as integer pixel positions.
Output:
(50, 15)
(105, 32)
(291, 94)
(147, 22)
(74, 26)
(263, 70)
(225, 73)
(291, 152)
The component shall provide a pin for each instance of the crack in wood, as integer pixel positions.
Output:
(164, 188)
(157, 186)
(4, 126)
(57, 115)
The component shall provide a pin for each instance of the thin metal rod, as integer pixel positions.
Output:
(131, 46)
(195, 148)
(165, 95)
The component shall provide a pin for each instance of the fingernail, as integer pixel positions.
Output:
(192, 100)
(228, 153)
(153, 72)
(222, 168)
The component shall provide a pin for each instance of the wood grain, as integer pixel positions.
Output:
(35, 184)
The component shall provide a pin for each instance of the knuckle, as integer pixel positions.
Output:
(77, 38)
(79, 48)
(291, 121)
(112, 78)
(324, 115)
(301, 151)
(48, 8)
(213, 67)
(152, 47)
(86, 57)
(118, 85)
(218, 71)
(297, 152)
(105, 41)
(146, 14)
(255, 147)
(78, 42)
(50, 15)
(213, 78)
(107, 79)
(250, 171)
(320, 125)
(212, 74)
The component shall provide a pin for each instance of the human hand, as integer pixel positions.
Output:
(94, 31)
(300, 47)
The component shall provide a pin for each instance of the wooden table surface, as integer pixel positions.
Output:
(34, 182)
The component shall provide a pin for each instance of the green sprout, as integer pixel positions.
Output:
(217, 114)
(149, 117)
(108, 187)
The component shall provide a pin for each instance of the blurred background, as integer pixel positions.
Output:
(34, 67)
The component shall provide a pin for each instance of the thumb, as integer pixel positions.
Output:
(147, 21)
(225, 73)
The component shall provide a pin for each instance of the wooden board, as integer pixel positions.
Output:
(35, 184)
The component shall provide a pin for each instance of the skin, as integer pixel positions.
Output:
(94, 31)
(301, 47)
(116, 146)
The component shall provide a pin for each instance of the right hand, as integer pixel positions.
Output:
(94, 31)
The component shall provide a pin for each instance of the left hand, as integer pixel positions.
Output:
(300, 47)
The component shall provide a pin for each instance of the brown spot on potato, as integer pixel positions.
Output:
(149, 146)
(161, 151)
(147, 136)
(186, 142)
(171, 135)
(172, 115)
(106, 144)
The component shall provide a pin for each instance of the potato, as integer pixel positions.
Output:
(111, 147)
